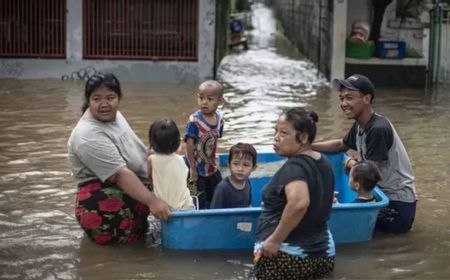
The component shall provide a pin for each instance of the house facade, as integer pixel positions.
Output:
(138, 40)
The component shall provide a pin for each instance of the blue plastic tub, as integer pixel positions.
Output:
(235, 228)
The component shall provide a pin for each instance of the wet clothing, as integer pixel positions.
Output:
(169, 176)
(205, 138)
(227, 196)
(108, 215)
(97, 150)
(397, 217)
(379, 141)
(284, 266)
(311, 238)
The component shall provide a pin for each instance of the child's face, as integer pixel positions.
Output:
(208, 100)
(284, 141)
(241, 167)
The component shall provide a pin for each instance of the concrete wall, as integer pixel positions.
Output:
(409, 30)
(308, 23)
(126, 70)
(358, 10)
(339, 35)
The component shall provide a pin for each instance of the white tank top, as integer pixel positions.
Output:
(169, 174)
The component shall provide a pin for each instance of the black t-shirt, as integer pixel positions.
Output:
(376, 138)
(227, 196)
(311, 232)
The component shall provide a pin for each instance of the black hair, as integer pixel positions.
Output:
(366, 173)
(164, 136)
(303, 122)
(99, 80)
(244, 150)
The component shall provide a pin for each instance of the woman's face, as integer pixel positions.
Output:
(103, 104)
(284, 141)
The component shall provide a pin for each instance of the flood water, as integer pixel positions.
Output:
(40, 238)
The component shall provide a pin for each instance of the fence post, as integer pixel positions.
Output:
(434, 53)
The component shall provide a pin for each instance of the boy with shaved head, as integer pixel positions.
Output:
(203, 130)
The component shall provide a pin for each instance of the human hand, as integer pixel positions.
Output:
(270, 247)
(160, 209)
(348, 163)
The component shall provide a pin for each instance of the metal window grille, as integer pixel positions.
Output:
(141, 29)
(30, 28)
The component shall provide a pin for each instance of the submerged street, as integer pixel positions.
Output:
(39, 235)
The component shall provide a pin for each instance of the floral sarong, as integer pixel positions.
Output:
(108, 215)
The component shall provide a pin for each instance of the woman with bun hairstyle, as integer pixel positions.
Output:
(293, 240)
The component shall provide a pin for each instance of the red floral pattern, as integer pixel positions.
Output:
(126, 224)
(141, 209)
(83, 194)
(79, 210)
(110, 205)
(108, 215)
(90, 220)
(85, 191)
(103, 238)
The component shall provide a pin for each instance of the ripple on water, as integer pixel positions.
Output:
(28, 174)
(18, 161)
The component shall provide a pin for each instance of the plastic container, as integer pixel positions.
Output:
(235, 228)
(362, 50)
(390, 49)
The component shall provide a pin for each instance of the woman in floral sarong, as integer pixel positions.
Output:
(109, 163)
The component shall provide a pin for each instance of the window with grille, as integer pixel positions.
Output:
(141, 29)
(30, 28)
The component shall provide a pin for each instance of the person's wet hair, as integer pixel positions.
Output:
(99, 80)
(366, 173)
(303, 121)
(242, 150)
(164, 136)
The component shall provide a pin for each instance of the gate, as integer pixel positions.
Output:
(30, 28)
(439, 51)
(141, 29)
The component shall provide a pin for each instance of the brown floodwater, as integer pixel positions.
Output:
(40, 238)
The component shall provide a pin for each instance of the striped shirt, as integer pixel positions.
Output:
(205, 138)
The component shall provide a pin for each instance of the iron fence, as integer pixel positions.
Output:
(140, 29)
(30, 28)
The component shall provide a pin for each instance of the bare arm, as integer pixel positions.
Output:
(297, 195)
(130, 183)
(336, 145)
(191, 158)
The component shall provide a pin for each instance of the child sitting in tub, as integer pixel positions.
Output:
(168, 173)
(234, 191)
(364, 175)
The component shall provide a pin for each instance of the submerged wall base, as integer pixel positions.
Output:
(385, 73)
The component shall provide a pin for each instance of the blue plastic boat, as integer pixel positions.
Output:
(235, 228)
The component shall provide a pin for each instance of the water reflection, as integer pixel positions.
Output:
(264, 81)
(40, 239)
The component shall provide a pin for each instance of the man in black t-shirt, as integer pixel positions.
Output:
(375, 139)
